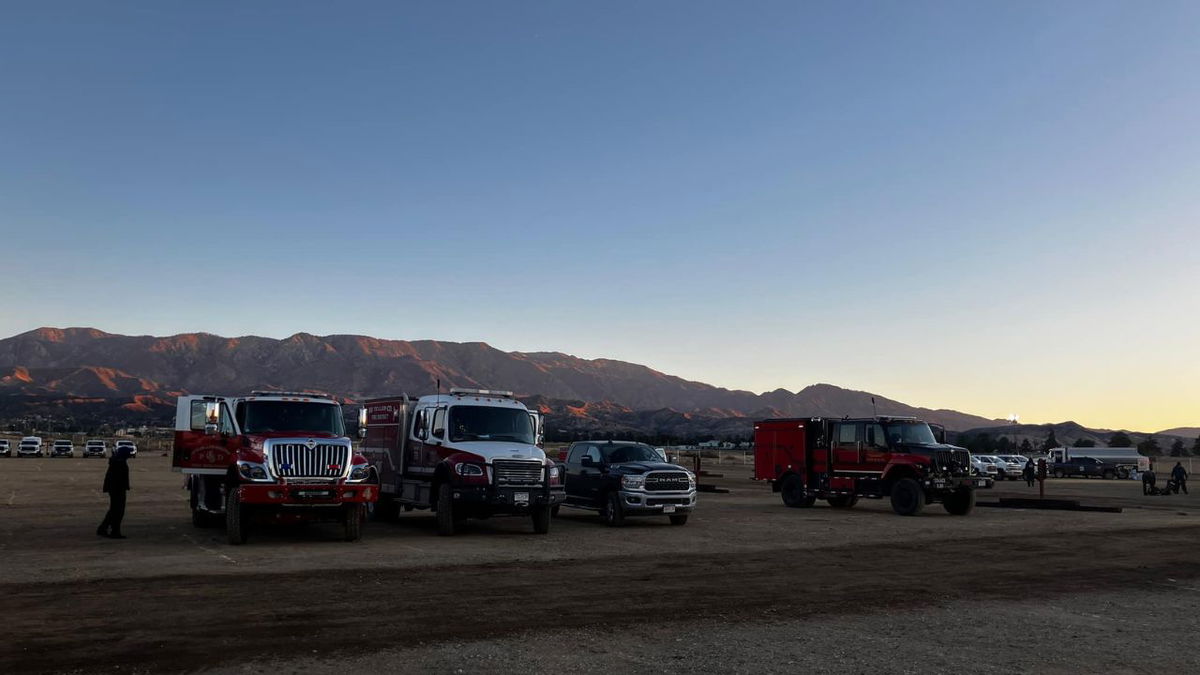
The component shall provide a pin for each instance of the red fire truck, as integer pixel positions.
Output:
(471, 453)
(270, 456)
(843, 460)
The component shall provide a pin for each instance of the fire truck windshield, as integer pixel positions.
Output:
(265, 416)
(488, 423)
(917, 433)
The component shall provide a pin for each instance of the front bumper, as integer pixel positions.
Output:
(642, 503)
(949, 483)
(330, 494)
(28, 454)
(508, 499)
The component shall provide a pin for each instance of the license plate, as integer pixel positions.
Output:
(520, 497)
(312, 493)
(668, 509)
(981, 483)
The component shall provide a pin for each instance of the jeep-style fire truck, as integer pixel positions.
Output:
(842, 460)
(469, 454)
(271, 455)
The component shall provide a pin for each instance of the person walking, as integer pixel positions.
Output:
(1179, 475)
(1030, 473)
(116, 484)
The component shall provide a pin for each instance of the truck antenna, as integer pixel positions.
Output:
(873, 408)
(439, 391)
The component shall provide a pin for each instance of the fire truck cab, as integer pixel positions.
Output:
(271, 455)
(471, 453)
(843, 460)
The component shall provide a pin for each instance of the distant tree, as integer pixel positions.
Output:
(1196, 446)
(1027, 447)
(1149, 447)
(1003, 445)
(1051, 441)
(1121, 440)
(1084, 443)
(1177, 449)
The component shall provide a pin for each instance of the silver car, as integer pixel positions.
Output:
(1009, 466)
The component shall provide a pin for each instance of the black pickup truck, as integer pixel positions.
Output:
(622, 478)
(1088, 467)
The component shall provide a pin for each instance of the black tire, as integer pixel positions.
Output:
(842, 501)
(236, 524)
(1058, 473)
(960, 502)
(352, 518)
(612, 513)
(445, 510)
(792, 491)
(1123, 473)
(541, 519)
(908, 498)
(680, 519)
(554, 510)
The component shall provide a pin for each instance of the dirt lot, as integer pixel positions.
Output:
(746, 586)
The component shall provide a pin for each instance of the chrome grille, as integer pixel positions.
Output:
(959, 460)
(517, 473)
(666, 481)
(296, 460)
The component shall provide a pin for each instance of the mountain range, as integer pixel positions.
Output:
(88, 372)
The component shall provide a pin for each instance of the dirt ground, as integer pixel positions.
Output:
(746, 586)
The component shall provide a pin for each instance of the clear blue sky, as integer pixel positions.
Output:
(985, 206)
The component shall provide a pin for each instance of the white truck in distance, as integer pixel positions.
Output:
(62, 448)
(95, 448)
(31, 446)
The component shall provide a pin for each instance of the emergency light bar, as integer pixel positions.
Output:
(459, 391)
(295, 394)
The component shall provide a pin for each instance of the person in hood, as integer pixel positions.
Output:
(116, 484)
(1180, 476)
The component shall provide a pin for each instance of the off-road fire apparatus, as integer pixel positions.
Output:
(468, 454)
(270, 456)
(842, 460)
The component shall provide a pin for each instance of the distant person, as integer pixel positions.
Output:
(1148, 481)
(1179, 475)
(116, 484)
(1030, 473)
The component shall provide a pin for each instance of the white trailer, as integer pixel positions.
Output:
(1129, 457)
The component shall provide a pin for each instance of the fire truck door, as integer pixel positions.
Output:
(875, 449)
(847, 446)
(207, 441)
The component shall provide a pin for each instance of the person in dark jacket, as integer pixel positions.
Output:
(116, 484)
(1030, 473)
(1148, 482)
(1179, 475)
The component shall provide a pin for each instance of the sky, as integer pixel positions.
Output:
(991, 207)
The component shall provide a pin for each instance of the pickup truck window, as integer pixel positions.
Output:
(617, 454)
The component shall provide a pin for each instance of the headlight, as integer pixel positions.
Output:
(633, 482)
(553, 474)
(253, 471)
(360, 472)
(465, 469)
(691, 480)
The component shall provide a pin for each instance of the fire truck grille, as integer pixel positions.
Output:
(667, 481)
(296, 460)
(517, 473)
(955, 460)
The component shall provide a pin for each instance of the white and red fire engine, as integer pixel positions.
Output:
(272, 455)
(467, 454)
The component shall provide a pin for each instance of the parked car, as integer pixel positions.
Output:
(5, 449)
(982, 466)
(31, 446)
(126, 444)
(62, 448)
(1009, 466)
(1087, 467)
(95, 448)
(621, 479)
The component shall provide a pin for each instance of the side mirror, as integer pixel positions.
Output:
(210, 429)
(362, 422)
(362, 432)
(212, 415)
